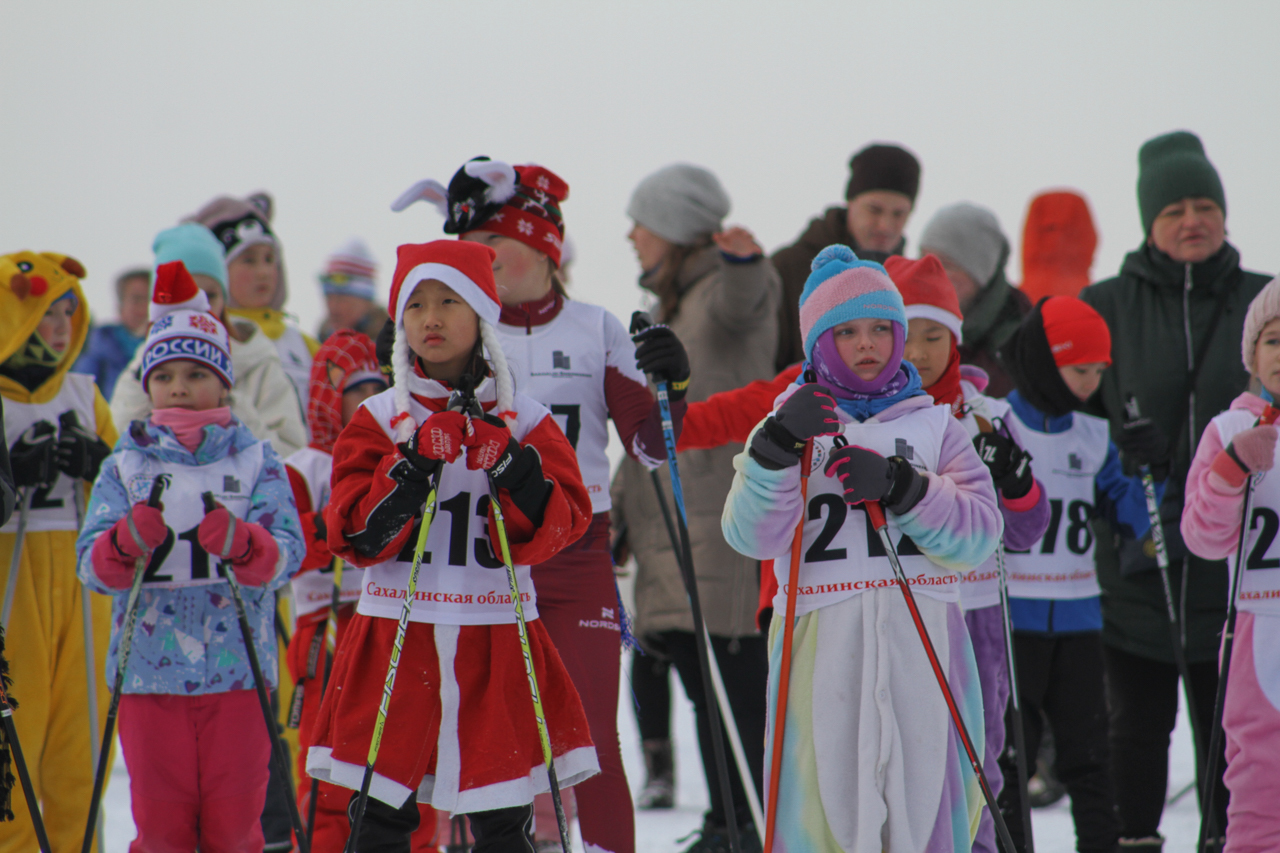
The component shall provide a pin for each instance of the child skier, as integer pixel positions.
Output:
(1056, 359)
(933, 333)
(255, 279)
(460, 732)
(344, 374)
(190, 723)
(58, 430)
(871, 760)
(576, 359)
(1233, 447)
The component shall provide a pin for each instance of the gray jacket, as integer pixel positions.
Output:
(727, 321)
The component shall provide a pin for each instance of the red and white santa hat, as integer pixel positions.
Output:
(182, 327)
(467, 268)
(926, 291)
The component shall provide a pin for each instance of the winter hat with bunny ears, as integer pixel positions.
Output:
(520, 202)
(467, 268)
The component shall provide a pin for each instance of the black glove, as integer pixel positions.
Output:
(1144, 444)
(32, 456)
(1009, 464)
(519, 471)
(660, 354)
(79, 452)
(809, 412)
(868, 476)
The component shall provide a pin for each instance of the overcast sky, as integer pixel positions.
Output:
(123, 117)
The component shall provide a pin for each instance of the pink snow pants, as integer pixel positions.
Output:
(197, 771)
(1252, 726)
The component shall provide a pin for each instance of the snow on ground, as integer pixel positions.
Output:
(657, 831)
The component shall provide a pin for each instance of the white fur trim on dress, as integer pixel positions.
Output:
(400, 371)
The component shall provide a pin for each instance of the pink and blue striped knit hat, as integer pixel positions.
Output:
(841, 288)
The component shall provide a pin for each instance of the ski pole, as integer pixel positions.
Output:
(717, 681)
(330, 622)
(273, 732)
(639, 322)
(1171, 611)
(500, 524)
(24, 775)
(11, 585)
(90, 659)
(362, 801)
(1216, 734)
(1019, 733)
(788, 638)
(878, 521)
(122, 662)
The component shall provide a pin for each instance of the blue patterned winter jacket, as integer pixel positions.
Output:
(187, 640)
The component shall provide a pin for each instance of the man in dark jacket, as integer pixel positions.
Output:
(1176, 313)
(880, 195)
(974, 250)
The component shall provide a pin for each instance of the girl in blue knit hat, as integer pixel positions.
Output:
(871, 759)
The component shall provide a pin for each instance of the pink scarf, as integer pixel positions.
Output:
(188, 425)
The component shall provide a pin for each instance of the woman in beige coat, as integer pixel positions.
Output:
(719, 293)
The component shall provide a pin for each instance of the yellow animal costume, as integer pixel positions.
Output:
(45, 635)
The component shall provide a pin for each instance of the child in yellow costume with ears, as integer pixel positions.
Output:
(58, 429)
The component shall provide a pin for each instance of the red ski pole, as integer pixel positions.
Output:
(784, 669)
(876, 514)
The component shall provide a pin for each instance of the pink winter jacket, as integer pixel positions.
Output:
(1215, 492)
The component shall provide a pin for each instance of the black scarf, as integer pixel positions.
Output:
(1029, 360)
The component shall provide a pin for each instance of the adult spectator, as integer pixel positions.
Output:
(973, 250)
(111, 346)
(1176, 312)
(1058, 242)
(879, 198)
(349, 286)
(719, 294)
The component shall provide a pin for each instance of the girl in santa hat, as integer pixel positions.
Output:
(461, 734)
(190, 724)
(872, 759)
(578, 360)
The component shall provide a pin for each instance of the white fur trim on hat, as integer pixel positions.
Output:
(480, 302)
(937, 315)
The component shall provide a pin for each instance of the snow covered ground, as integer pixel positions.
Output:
(657, 831)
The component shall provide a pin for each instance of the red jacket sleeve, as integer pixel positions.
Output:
(318, 553)
(729, 417)
(568, 509)
(362, 457)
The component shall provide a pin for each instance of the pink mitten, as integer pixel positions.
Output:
(1256, 447)
(115, 555)
(1252, 450)
(253, 552)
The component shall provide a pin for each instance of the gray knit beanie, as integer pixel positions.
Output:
(680, 203)
(970, 236)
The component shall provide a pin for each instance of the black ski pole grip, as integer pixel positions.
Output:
(157, 489)
(640, 321)
(209, 503)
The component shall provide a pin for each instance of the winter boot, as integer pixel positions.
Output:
(659, 790)
(1154, 844)
(507, 830)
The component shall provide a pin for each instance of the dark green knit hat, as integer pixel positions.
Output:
(1173, 167)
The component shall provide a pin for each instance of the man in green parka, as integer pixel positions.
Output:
(1176, 313)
